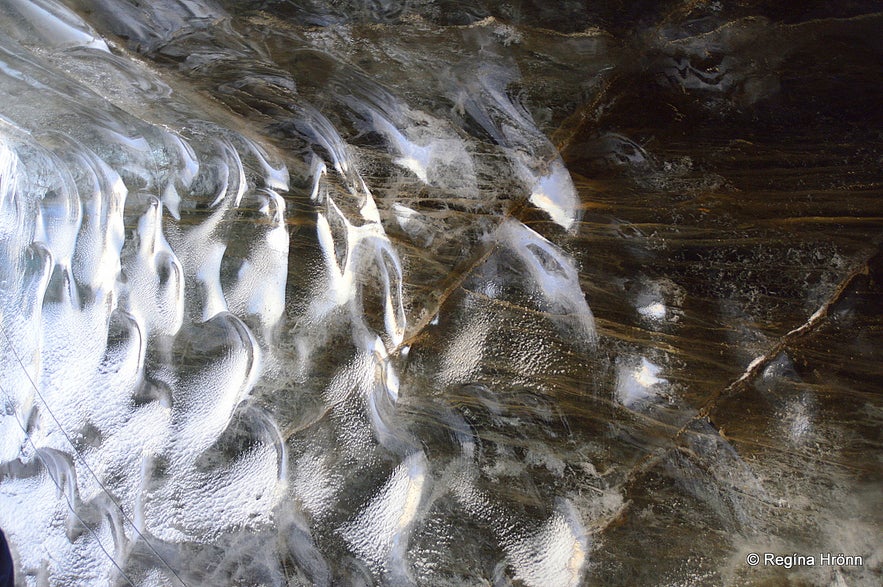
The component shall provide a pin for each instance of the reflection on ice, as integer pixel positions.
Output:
(379, 534)
(556, 553)
(554, 193)
(636, 383)
(55, 25)
(654, 311)
(553, 275)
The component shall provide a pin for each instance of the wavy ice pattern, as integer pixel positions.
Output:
(209, 337)
(123, 361)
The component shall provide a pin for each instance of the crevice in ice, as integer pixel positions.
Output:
(682, 435)
(816, 320)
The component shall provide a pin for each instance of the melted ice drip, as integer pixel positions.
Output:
(181, 387)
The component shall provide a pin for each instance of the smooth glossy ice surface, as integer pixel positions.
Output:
(436, 293)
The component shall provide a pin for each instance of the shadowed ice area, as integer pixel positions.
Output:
(440, 293)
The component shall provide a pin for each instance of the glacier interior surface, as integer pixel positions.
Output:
(441, 292)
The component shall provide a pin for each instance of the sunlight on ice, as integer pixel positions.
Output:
(637, 382)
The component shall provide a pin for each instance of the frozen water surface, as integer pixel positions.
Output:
(435, 293)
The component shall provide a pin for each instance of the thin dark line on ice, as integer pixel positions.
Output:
(87, 467)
